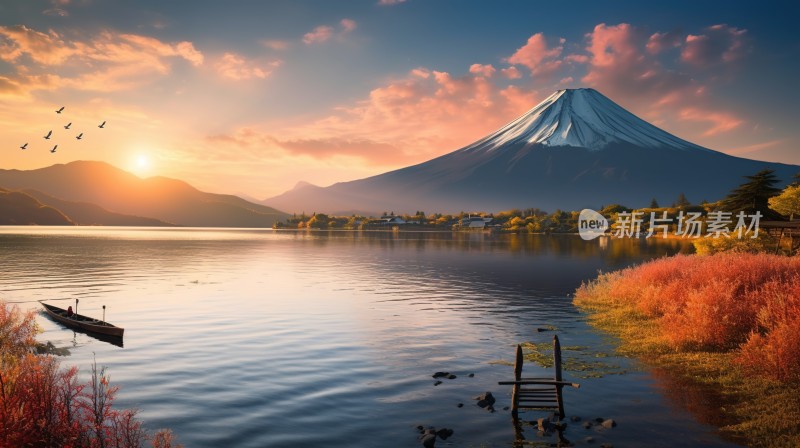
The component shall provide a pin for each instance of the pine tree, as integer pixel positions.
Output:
(654, 203)
(682, 201)
(754, 195)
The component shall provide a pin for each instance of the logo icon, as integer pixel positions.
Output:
(591, 224)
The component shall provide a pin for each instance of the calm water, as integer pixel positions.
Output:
(257, 338)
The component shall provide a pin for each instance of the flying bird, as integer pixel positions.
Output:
(102, 125)
(54, 148)
(80, 136)
(49, 133)
(25, 146)
(68, 125)
(60, 110)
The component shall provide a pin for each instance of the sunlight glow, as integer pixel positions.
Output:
(141, 164)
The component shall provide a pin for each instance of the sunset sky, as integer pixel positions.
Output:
(250, 97)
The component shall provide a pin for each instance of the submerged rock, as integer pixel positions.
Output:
(485, 399)
(608, 424)
(428, 440)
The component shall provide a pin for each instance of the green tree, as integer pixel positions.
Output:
(753, 195)
(654, 203)
(788, 202)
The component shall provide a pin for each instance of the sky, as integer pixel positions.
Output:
(251, 97)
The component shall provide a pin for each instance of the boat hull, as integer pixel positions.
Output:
(79, 322)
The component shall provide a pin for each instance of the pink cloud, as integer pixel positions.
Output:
(319, 34)
(324, 33)
(721, 122)
(511, 72)
(275, 44)
(577, 58)
(425, 114)
(718, 44)
(485, 70)
(348, 25)
(613, 45)
(537, 56)
(236, 67)
(421, 72)
(659, 42)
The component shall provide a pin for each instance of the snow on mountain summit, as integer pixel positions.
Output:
(582, 118)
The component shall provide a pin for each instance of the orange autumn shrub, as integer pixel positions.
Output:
(728, 301)
(44, 405)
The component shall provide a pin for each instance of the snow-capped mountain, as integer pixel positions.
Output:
(582, 118)
(573, 150)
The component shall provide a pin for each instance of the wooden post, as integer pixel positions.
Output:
(517, 376)
(104, 313)
(557, 365)
(76, 307)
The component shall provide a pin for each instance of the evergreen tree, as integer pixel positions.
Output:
(754, 195)
(682, 201)
(654, 203)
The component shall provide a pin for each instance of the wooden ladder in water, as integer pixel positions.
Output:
(538, 393)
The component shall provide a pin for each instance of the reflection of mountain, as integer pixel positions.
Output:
(18, 208)
(86, 214)
(120, 192)
(576, 149)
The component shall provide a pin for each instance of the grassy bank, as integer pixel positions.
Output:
(730, 321)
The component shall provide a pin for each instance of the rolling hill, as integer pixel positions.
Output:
(164, 199)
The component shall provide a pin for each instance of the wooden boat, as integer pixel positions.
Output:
(77, 321)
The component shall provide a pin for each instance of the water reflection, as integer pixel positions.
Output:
(254, 338)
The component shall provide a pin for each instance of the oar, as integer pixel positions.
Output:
(76, 307)
(104, 313)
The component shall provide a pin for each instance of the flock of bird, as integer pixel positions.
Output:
(67, 126)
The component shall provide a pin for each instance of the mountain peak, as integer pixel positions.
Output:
(582, 118)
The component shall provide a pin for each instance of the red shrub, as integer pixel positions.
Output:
(719, 302)
(43, 405)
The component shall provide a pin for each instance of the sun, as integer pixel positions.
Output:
(141, 164)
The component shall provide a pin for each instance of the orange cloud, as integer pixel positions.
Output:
(237, 68)
(105, 63)
(412, 119)
(721, 122)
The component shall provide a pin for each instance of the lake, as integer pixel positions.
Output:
(262, 338)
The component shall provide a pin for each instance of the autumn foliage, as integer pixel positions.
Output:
(748, 304)
(45, 405)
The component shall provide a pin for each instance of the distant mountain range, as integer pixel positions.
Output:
(574, 150)
(97, 193)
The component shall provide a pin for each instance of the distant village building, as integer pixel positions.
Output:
(390, 220)
(475, 222)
